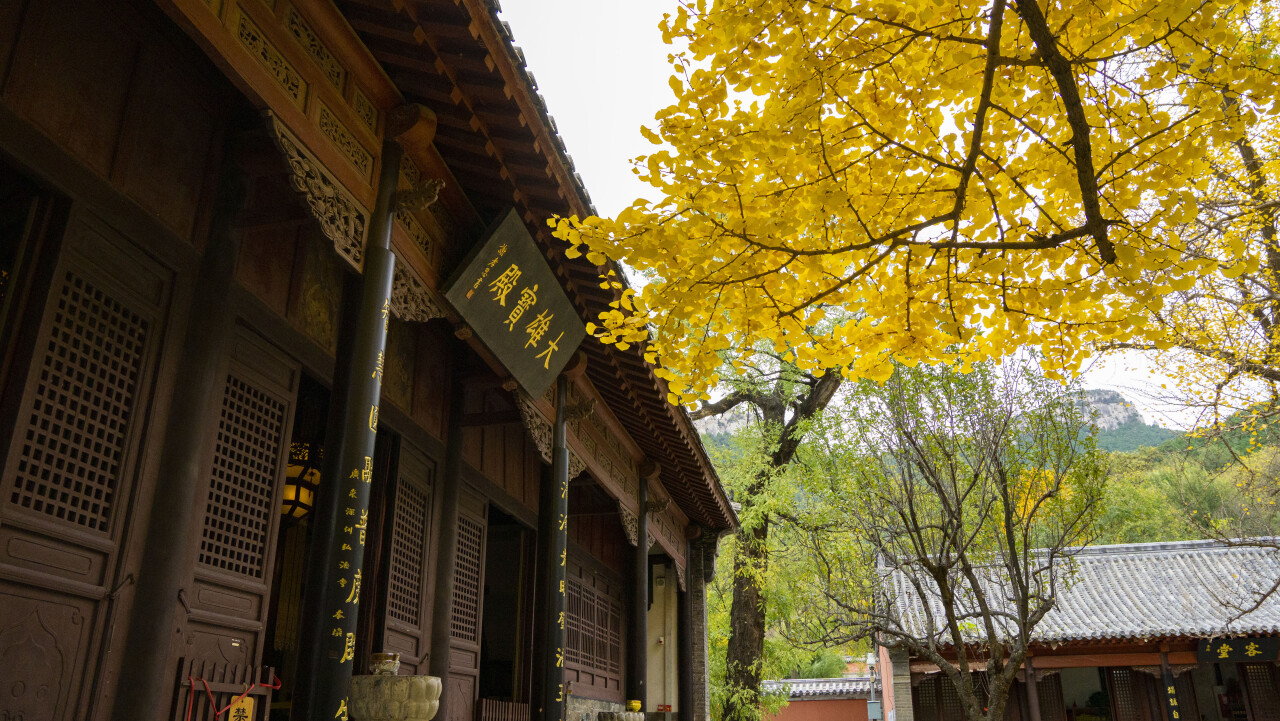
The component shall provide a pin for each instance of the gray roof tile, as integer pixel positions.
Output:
(801, 688)
(1194, 589)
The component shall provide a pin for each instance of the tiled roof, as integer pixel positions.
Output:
(1196, 589)
(827, 688)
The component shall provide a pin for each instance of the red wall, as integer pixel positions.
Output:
(886, 682)
(847, 709)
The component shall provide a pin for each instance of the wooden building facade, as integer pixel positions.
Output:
(186, 192)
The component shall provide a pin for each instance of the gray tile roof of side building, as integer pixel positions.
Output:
(826, 688)
(1196, 589)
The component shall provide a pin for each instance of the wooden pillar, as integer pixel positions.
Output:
(638, 628)
(1033, 690)
(330, 643)
(146, 681)
(684, 652)
(553, 539)
(1170, 690)
(447, 542)
(324, 514)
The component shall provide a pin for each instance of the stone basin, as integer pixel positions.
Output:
(393, 698)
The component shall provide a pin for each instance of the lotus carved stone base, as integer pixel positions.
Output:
(394, 698)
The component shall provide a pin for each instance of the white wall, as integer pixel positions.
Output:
(662, 680)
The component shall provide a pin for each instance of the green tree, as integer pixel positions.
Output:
(967, 495)
(781, 402)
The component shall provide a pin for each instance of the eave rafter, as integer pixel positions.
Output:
(500, 145)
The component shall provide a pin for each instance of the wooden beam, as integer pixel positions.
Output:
(491, 418)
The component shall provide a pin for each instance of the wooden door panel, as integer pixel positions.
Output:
(1264, 699)
(407, 627)
(460, 688)
(228, 603)
(69, 474)
(44, 647)
(1049, 691)
(1129, 698)
(468, 607)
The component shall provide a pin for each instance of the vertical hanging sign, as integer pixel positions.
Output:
(508, 294)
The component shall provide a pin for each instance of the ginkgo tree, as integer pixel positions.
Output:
(1221, 336)
(959, 177)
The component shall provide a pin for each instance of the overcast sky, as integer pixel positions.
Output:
(602, 68)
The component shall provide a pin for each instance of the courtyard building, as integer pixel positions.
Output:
(1180, 631)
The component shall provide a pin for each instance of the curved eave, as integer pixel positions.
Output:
(495, 135)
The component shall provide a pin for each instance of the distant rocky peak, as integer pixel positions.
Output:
(1112, 409)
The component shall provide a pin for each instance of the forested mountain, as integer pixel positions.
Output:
(1120, 426)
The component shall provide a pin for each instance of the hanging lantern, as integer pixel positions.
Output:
(302, 477)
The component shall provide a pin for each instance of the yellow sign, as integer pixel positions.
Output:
(241, 710)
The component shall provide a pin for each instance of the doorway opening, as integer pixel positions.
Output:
(298, 497)
(505, 643)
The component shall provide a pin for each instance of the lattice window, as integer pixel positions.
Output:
(1263, 696)
(1123, 695)
(575, 636)
(593, 628)
(465, 625)
(246, 459)
(79, 417)
(408, 548)
(1049, 689)
(926, 699)
(950, 701)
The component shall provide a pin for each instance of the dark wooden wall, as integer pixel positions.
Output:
(503, 454)
(108, 83)
(602, 538)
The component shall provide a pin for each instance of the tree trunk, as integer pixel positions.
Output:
(745, 654)
(746, 624)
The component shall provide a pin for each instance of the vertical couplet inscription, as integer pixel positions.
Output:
(343, 598)
(554, 680)
(562, 544)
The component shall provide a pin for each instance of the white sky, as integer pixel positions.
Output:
(602, 68)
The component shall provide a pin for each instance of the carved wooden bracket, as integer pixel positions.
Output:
(630, 524)
(342, 219)
(576, 465)
(421, 197)
(680, 577)
(410, 299)
(541, 433)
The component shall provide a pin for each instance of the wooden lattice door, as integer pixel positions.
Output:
(1049, 691)
(407, 629)
(1131, 697)
(924, 698)
(228, 597)
(468, 604)
(1186, 690)
(70, 470)
(1264, 699)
